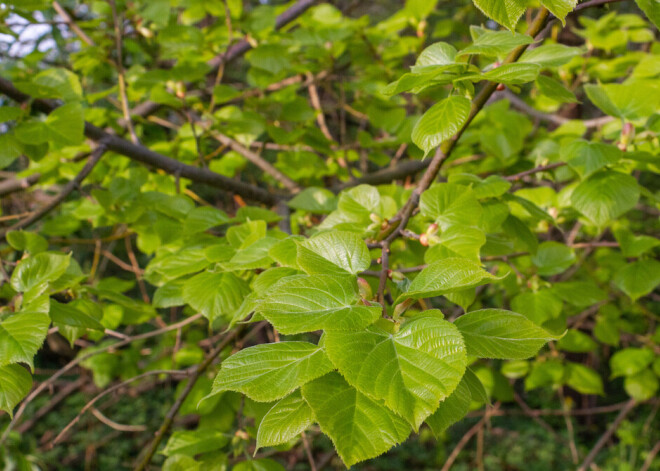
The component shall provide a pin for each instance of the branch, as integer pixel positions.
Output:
(146, 156)
(72, 24)
(236, 50)
(519, 103)
(606, 436)
(76, 361)
(72, 185)
(518, 176)
(104, 393)
(174, 410)
(12, 185)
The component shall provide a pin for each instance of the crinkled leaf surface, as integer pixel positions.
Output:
(411, 370)
(496, 333)
(21, 335)
(333, 252)
(284, 421)
(316, 302)
(447, 276)
(269, 372)
(15, 384)
(360, 427)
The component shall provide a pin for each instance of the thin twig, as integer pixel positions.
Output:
(72, 24)
(650, 457)
(606, 436)
(121, 78)
(100, 396)
(76, 361)
(116, 426)
(174, 410)
(543, 168)
(66, 191)
(12, 185)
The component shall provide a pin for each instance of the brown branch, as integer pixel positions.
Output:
(174, 410)
(651, 456)
(46, 408)
(66, 191)
(72, 24)
(236, 50)
(519, 103)
(316, 104)
(121, 78)
(606, 436)
(259, 161)
(146, 156)
(544, 168)
(466, 438)
(116, 426)
(12, 185)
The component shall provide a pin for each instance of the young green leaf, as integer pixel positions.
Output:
(440, 122)
(639, 278)
(451, 410)
(505, 12)
(450, 204)
(447, 276)
(21, 335)
(286, 420)
(360, 427)
(38, 270)
(269, 372)
(15, 384)
(605, 196)
(506, 335)
(411, 370)
(316, 302)
(496, 43)
(554, 90)
(215, 294)
(588, 157)
(560, 8)
(335, 252)
(652, 10)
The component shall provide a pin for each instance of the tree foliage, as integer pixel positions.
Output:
(386, 211)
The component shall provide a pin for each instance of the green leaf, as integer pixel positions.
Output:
(632, 245)
(577, 342)
(588, 157)
(286, 420)
(269, 372)
(560, 8)
(506, 335)
(334, 252)
(630, 361)
(496, 43)
(307, 303)
(314, 200)
(436, 54)
(450, 204)
(554, 90)
(629, 101)
(9, 113)
(652, 10)
(457, 241)
(21, 336)
(553, 258)
(579, 293)
(538, 306)
(192, 443)
(605, 195)
(360, 427)
(15, 384)
(263, 464)
(27, 241)
(203, 218)
(583, 379)
(10, 149)
(66, 124)
(440, 122)
(476, 387)
(447, 276)
(38, 270)
(411, 370)
(639, 278)
(550, 55)
(505, 12)
(67, 314)
(513, 74)
(451, 410)
(64, 82)
(641, 386)
(215, 294)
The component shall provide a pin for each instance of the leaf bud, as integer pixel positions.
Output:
(364, 289)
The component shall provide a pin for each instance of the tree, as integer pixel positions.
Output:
(358, 219)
